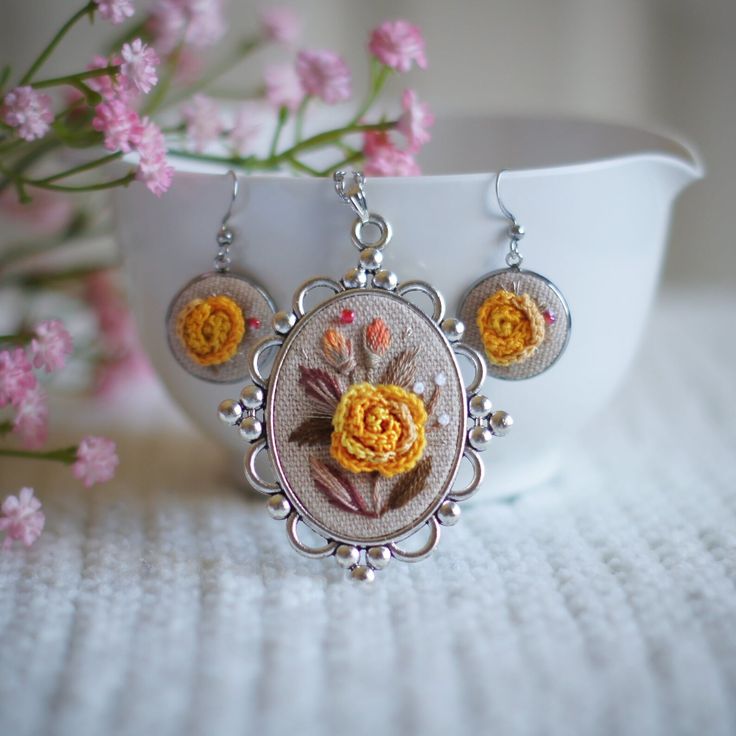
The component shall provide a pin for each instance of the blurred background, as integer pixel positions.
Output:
(667, 65)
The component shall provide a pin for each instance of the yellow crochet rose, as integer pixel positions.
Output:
(511, 327)
(211, 329)
(378, 428)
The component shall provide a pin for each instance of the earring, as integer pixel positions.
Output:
(519, 319)
(215, 318)
(365, 415)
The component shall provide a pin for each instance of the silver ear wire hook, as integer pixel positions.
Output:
(225, 235)
(516, 230)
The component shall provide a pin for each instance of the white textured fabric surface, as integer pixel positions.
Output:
(605, 603)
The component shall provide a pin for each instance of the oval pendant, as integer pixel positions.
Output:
(518, 320)
(366, 421)
(212, 323)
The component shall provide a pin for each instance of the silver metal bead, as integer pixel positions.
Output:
(501, 423)
(449, 513)
(371, 259)
(250, 429)
(384, 279)
(251, 397)
(479, 406)
(480, 437)
(225, 236)
(378, 557)
(278, 506)
(221, 262)
(230, 411)
(347, 556)
(355, 278)
(516, 231)
(283, 322)
(453, 329)
(362, 574)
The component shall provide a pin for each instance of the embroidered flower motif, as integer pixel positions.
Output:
(376, 340)
(211, 329)
(511, 327)
(338, 350)
(378, 428)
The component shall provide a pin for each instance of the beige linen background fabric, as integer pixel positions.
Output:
(409, 327)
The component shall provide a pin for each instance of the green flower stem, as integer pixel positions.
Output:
(224, 65)
(73, 79)
(88, 9)
(123, 181)
(283, 117)
(328, 137)
(347, 161)
(6, 426)
(157, 96)
(76, 170)
(299, 121)
(41, 280)
(379, 74)
(299, 166)
(20, 338)
(66, 455)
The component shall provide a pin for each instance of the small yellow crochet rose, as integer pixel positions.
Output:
(511, 327)
(378, 428)
(211, 329)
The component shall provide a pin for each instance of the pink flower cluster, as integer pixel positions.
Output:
(21, 518)
(97, 459)
(28, 111)
(19, 387)
(116, 11)
(397, 44)
(281, 25)
(195, 23)
(116, 118)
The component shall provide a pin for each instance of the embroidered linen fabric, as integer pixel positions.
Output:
(602, 604)
(252, 303)
(292, 406)
(545, 297)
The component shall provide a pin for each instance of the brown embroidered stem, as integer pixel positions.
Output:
(375, 477)
(321, 387)
(430, 405)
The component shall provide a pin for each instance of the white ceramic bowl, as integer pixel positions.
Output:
(595, 200)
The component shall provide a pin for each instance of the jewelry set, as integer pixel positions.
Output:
(360, 403)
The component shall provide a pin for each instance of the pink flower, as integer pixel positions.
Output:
(22, 519)
(415, 121)
(324, 74)
(139, 66)
(97, 459)
(390, 161)
(201, 23)
(16, 376)
(396, 43)
(31, 419)
(153, 168)
(281, 25)
(107, 86)
(204, 125)
(116, 11)
(28, 111)
(249, 120)
(374, 140)
(283, 88)
(51, 346)
(121, 125)
(46, 213)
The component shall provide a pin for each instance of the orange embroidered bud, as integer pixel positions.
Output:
(378, 337)
(338, 350)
